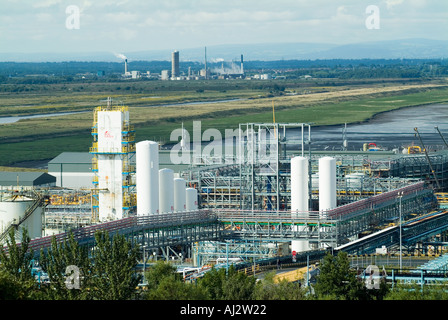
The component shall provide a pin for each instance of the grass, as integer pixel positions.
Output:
(20, 169)
(45, 138)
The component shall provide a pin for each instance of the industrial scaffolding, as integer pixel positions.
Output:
(263, 159)
(113, 147)
(68, 210)
(236, 250)
(419, 166)
(221, 186)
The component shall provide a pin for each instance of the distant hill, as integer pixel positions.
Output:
(393, 49)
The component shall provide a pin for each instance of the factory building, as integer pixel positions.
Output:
(72, 170)
(31, 179)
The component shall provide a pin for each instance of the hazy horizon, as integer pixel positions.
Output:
(123, 26)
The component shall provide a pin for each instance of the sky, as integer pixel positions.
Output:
(28, 26)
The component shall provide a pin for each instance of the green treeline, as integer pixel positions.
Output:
(108, 273)
(63, 72)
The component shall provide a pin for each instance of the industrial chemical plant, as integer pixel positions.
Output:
(269, 198)
(221, 69)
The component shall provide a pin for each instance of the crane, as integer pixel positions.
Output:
(427, 158)
(437, 128)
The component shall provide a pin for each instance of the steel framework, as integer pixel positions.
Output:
(417, 166)
(263, 163)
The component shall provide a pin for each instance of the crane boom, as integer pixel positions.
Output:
(427, 158)
(437, 128)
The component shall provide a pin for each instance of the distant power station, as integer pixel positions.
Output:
(231, 70)
(215, 68)
(175, 64)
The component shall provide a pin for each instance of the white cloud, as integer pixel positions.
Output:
(46, 3)
(180, 23)
(392, 3)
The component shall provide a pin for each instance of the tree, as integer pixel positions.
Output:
(113, 274)
(164, 283)
(228, 284)
(56, 261)
(337, 281)
(212, 282)
(18, 261)
(10, 288)
(16, 268)
(238, 286)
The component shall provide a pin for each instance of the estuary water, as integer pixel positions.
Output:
(392, 129)
(389, 130)
(5, 120)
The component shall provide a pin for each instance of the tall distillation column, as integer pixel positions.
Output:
(113, 147)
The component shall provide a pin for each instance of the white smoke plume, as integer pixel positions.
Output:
(227, 68)
(120, 55)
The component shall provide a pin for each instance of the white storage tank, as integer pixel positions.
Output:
(299, 185)
(327, 183)
(166, 190)
(299, 197)
(354, 180)
(191, 199)
(179, 195)
(147, 177)
(11, 211)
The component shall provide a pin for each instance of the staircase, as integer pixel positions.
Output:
(39, 201)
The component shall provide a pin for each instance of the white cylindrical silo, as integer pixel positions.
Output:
(191, 199)
(327, 183)
(299, 197)
(12, 211)
(147, 177)
(179, 195)
(166, 190)
(299, 185)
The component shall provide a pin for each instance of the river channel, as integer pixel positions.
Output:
(390, 130)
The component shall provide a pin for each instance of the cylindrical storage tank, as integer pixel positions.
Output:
(191, 199)
(147, 177)
(166, 193)
(34, 224)
(299, 197)
(365, 147)
(13, 211)
(299, 185)
(179, 195)
(327, 183)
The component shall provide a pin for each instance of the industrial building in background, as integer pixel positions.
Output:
(175, 65)
(227, 70)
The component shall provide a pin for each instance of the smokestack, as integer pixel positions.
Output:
(242, 65)
(175, 64)
(205, 62)
(125, 66)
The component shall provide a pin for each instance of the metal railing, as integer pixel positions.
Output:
(129, 225)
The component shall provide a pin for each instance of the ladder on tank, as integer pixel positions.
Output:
(40, 199)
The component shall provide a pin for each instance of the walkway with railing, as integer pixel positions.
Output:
(167, 227)
(332, 227)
